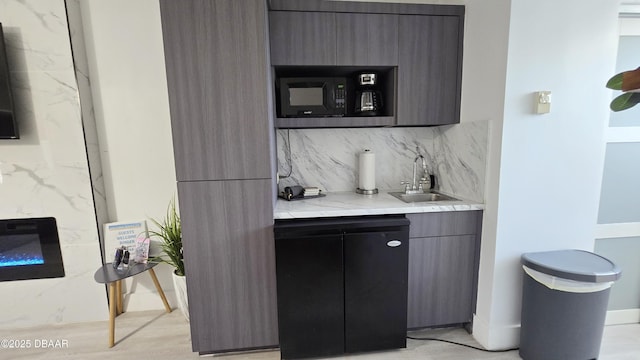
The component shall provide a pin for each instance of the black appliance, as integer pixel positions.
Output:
(30, 249)
(8, 125)
(312, 96)
(341, 284)
(368, 98)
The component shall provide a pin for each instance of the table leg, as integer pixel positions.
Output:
(119, 308)
(112, 313)
(157, 284)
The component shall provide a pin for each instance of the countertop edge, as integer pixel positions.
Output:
(351, 204)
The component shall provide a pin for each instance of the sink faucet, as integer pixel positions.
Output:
(417, 186)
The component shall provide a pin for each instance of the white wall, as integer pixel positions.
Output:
(126, 61)
(483, 94)
(46, 173)
(126, 65)
(550, 165)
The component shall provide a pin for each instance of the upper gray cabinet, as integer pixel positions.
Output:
(327, 38)
(424, 42)
(302, 38)
(367, 39)
(429, 70)
(217, 76)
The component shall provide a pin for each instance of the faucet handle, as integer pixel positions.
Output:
(407, 185)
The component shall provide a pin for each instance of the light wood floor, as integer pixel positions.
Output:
(156, 335)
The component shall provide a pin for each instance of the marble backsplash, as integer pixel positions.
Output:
(461, 157)
(328, 158)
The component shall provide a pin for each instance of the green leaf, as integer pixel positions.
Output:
(615, 82)
(169, 232)
(625, 101)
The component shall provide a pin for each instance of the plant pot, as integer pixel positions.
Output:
(180, 286)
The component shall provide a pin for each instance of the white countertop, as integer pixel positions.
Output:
(352, 204)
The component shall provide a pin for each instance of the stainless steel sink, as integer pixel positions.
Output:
(421, 197)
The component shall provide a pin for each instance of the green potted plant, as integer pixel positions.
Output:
(169, 232)
(629, 83)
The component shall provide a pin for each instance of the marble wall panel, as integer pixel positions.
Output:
(37, 36)
(79, 50)
(46, 173)
(328, 158)
(461, 157)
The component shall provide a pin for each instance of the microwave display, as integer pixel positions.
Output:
(312, 97)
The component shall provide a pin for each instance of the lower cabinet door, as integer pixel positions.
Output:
(229, 258)
(441, 280)
(310, 296)
(375, 282)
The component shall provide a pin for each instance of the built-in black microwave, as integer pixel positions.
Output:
(312, 96)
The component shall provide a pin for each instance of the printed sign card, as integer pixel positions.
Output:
(120, 234)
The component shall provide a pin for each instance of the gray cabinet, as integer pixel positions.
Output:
(218, 77)
(327, 38)
(217, 64)
(367, 39)
(443, 267)
(230, 264)
(429, 70)
(302, 38)
(423, 41)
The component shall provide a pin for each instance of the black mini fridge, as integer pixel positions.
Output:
(342, 284)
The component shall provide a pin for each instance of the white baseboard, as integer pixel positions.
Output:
(507, 337)
(619, 317)
(496, 338)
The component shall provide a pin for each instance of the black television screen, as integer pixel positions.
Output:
(8, 124)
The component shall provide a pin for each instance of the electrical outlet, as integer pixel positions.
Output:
(543, 102)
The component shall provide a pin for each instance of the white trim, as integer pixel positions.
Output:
(623, 134)
(629, 25)
(605, 231)
(496, 337)
(630, 8)
(619, 317)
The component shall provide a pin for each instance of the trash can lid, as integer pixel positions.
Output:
(578, 265)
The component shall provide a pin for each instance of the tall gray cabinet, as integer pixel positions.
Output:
(218, 76)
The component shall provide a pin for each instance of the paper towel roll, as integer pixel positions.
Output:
(367, 170)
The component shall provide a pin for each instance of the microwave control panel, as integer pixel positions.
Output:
(340, 96)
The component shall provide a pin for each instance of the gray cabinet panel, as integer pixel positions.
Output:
(443, 223)
(429, 70)
(216, 60)
(367, 39)
(230, 264)
(302, 38)
(441, 275)
(366, 7)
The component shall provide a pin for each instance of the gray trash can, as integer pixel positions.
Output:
(564, 303)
